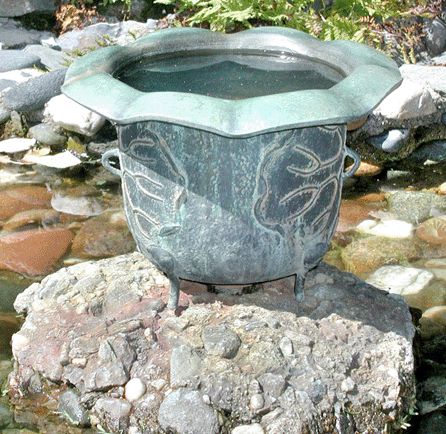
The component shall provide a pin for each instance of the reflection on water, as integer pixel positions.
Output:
(228, 76)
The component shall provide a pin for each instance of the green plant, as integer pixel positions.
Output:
(366, 21)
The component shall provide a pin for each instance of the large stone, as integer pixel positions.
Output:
(32, 94)
(429, 76)
(15, 8)
(72, 116)
(409, 100)
(340, 360)
(17, 59)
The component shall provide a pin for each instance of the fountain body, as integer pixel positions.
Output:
(232, 147)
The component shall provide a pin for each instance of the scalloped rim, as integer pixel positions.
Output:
(370, 77)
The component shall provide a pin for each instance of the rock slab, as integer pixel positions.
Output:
(341, 361)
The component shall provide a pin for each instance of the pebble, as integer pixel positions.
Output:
(184, 364)
(184, 412)
(390, 141)
(348, 385)
(62, 160)
(221, 341)
(351, 213)
(38, 217)
(70, 407)
(286, 346)
(386, 228)
(46, 136)
(430, 151)
(254, 428)
(134, 389)
(433, 230)
(256, 402)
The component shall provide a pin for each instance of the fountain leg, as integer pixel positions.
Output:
(165, 262)
(299, 284)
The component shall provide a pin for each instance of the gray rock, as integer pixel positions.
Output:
(434, 150)
(32, 94)
(272, 384)
(433, 423)
(17, 59)
(390, 141)
(16, 8)
(6, 416)
(185, 363)
(5, 83)
(114, 413)
(434, 77)
(70, 407)
(435, 35)
(4, 114)
(431, 394)
(352, 362)
(13, 35)
(221, 341)
(88, 37)
(416, 206)
(46, 135)
(49, 57)
(184, 412)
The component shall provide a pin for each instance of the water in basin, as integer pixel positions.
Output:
(228, 76)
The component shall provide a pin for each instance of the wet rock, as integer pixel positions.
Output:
(38, 217)
(11, 60)
(72, 116)
(114, 413)
(33, 252)
(351, 213)
(410, 100)
(433, 151)
(220, 341)
(416, 206)
(32, 94)
(432, 394)
(11, 146)
(412, 283)
(368, 254)
(433, 230)
(367, 169)
(386, 228)
(104, 236)
(390, 141)
(352, 348)
(17, 199)
(62, 160)
(433, 322)
(6, 415)
(433, 423)
(70, 407)
(77, 203)
(46, 135)
(184, 411)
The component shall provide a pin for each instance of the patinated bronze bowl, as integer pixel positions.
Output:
(232, 147)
